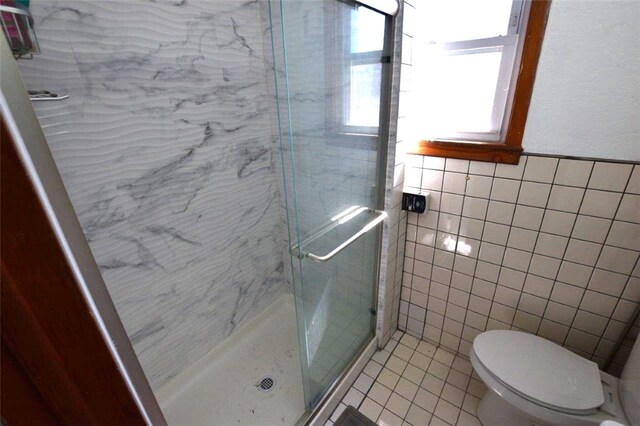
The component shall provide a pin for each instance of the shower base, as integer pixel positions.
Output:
(223, 387)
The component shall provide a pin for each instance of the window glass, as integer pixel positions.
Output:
(364, 99)
(365, 30)
(457, 20)
(459, 92)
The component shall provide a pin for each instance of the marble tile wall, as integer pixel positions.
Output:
(394, 229)
(166, 149)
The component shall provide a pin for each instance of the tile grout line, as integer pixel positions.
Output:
(570, 327)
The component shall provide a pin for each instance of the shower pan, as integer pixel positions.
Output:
(230, 185)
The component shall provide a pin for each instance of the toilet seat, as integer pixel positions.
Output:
(540, 371)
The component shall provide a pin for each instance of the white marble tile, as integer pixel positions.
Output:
(163, 150)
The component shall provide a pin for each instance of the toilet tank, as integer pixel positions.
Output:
(630, 385)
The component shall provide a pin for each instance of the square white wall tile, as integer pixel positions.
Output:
(475, 208)
(551, 245)
(565, 198)
(505, 190)
(454, 183)
(534, 194)
(600, 203)
(617, 260)
(500, 212)
(528, 217)
(559, 223)
(629, 209)
(610, 176)
(482, 168)
(540, 169)
(633, 187)
(523, 239)
(511, 171)
(625, 235)
(573, 172)
(479, 186)
(591, 228)
(552, 249)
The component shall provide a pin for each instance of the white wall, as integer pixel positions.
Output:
(586, 99)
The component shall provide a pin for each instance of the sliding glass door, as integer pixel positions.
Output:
(332, 67)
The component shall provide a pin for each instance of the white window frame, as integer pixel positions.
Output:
(352, 59)
(509, 44)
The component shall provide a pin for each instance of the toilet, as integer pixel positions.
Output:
(533, 381)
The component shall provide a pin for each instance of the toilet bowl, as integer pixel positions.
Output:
(533, 381)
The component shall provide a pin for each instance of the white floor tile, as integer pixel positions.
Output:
(444, 356)
(403, 352)
(417, 416)
(426, 400)
(427, 348)
(409, 341)
(435, 387)
(432, 384)
(438, 369)
(413, 374)
(388, 378)
(353, 397)
(396, 364)
(398, 405)
(379, 393)
(372, 369)
(452, 394)
(387, 418)
(420, 360)
(336, 413)
(447, 411)
(406, 388)
(466, 419)
(363, 383)
(470, 404)
(458, 379)
(371, 409)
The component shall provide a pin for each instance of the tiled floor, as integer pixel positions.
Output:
(413, 382)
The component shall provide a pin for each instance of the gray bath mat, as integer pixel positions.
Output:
(352, 417)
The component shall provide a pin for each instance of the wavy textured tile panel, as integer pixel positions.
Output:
(167, 153)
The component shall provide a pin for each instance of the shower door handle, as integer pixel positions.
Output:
(380, 216)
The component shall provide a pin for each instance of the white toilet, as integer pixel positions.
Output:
(533, 381)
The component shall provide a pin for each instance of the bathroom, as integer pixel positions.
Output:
(229, 183)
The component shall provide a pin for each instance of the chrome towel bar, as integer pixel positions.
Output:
(380, 216)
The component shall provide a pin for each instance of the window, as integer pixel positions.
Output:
(363, 71)
(358, 71)
(474, 65)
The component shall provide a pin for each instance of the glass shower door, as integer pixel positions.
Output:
(331, 92)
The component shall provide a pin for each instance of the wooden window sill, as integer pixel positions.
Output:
(478, 151)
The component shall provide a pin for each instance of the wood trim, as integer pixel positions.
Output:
(510, 151)
(493, 152)
(536, 25)
(61, 367)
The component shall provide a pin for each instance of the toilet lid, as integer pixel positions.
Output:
(540, 370)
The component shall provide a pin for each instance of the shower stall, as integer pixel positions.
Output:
(227, 162)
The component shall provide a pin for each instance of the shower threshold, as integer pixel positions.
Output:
(223, 388)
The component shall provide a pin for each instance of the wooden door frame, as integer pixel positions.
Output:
(66, 358)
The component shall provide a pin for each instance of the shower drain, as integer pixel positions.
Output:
(266, 384)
